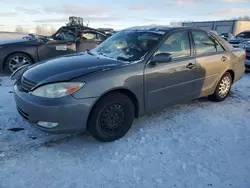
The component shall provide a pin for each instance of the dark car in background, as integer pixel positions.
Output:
(136, 71)
(36, 48)
(247, 62)
(240, 40)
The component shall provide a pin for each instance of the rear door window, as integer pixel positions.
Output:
(205, 44)
(101, 37)
(89, 35)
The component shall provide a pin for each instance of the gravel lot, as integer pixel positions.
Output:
(198, 144)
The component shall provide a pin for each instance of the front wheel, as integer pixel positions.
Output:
(223, 88)
(15, 61)
(111, 118)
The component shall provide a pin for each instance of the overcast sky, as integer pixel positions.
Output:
(116, 13)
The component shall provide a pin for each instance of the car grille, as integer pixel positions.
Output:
(234, 42)
(27, 85)
(248, 57)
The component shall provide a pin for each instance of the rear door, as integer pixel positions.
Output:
(211, 62)
(171, 82)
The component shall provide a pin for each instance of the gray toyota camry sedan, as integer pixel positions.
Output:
(136, 71)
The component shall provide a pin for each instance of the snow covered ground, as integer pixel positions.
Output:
(198, 144)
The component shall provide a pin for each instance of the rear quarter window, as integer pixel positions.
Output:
(206, 43)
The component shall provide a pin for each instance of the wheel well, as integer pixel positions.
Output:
(4, 62)
(231, 72)
(132, 97)
(126, 92)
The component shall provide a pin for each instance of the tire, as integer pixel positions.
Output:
(23, 59)
(222, 91)
(111, 118)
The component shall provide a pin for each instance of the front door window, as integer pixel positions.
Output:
(177, 45)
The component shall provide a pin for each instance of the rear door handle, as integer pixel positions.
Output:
(190, 66)
(224, 58)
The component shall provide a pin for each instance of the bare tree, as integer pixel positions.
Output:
(175, 24)
(243, 18)
(45, 29)
(246, 18)
(19, 29)
(52, 30)
(38, 29)
(42, 29)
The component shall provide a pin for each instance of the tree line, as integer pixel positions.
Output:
(39, 29)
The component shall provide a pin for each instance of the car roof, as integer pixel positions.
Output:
(150, 28)
(162, 28)
(246, 31)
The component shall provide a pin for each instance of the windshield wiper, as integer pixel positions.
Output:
(122, 59)
(118, 58)
(103, 55)
(89, 52)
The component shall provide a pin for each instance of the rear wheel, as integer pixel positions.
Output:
(111, 118)
(223, 88)
(15, 61)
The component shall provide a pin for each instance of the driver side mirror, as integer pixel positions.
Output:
(161, 58)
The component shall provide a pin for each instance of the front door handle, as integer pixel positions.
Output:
(190, 66)
(224, 58)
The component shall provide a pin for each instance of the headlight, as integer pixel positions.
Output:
(244, 42)
(57, 90)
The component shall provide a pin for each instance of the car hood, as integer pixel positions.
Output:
(238, 39)
(68, 67)
(14, 41)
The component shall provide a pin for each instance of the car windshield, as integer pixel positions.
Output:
(128, 45)
(243, 35)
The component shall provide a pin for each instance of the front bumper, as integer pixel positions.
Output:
(70, 113)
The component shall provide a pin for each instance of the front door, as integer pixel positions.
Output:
(55, 48)
(211, 62)
(171, 82)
